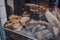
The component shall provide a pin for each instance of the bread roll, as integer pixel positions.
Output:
(8, 24)
(44, 35)
(24, 20)
(31, 24)
(52, 19)
(17, 27)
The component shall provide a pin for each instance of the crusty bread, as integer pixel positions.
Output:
(24, 20)
(17, 27)
(8, 24)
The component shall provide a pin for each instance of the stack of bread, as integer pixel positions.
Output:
(16, 22)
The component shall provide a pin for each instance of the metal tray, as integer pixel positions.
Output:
(24, 33)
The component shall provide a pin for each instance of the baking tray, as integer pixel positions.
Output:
(24, 32)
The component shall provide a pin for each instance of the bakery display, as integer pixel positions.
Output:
(46, 27)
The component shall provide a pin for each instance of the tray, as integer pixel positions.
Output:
(24, 33)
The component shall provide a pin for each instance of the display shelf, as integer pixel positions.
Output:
(24, 33)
